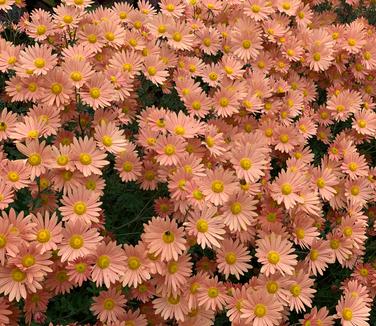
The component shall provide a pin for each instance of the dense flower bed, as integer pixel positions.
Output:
(209, 160)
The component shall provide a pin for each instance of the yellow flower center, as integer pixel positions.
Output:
(295, 290)
(107, 140)
(320, 183)
(39, 63)
(340, 108)
(347, 231)
(67, 175)
(79, 208)
(133, 263)
(103, 261)
(13, 176)
(300, 233)
(17, 275)
(194, 287)
(62, 160)
(316, 56)
(202, 225)
(284, 138)
(213, 292)
(177, 37)
(67, 19)
(108, 304)
(80, 267)
(362, 123)
(197, 194)
(41, 29)
(95, 92)
(272, 287)
(224, 102)
(246, 44)
(314, 254)
(85, 159)
(355, 190)
(286, 189)
(169, 149)
(3, 241)
(353, 166)
(351, 42)
(109, 36)
(76, 76)
(230, 258)
(56, 88)
(236, 208)
(12, 60)
(92, 38)
(152, 71)
(271, 217)
(34, 159)
(28, 260)
(245, 163)
(172, 267)
(43, 236)
(273, 257)
(162, 29)
(173, 300)
(217, 186)
(76, 241)
(364, 272)
(168, 237)
(347, 314)
(127, 166)
(255, 9)
(260, 310)
(213, 76)
(90, 185)
(286, 6)
(334, 244)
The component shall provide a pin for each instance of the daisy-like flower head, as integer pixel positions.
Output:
(38, 59)
(276, 254)
(163, 237)
(109, 306)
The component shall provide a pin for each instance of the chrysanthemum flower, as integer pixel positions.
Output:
(81, 205)
(261, 309)
(79, 240)
(134, 317)
(169, 149)
(179, 37)
(79, 270)
(354, 165)
(247, 40)
(97, 92)
(304, 231)
(8, 241)
(109, 265)
(109, 306)
(137, 266)
(318, 316)
(38, 59)
(155, 70)
(171, 307)
(206, 226)
(163, 237)
(301, 291)
(87, 158)
(275, 254)
(8, 123)
(233, 258)
(352, 311)
(285, 189)
(16, 174)
(6, 195)
(319, 257)
(212, 294)
(110, 138)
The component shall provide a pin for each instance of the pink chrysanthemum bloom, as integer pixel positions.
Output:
(6, 194)
(319, 257)
(163, 237)
(318, 317)
(354, 165)
(247, 40)
(285, 189)
(301, 292)
(37, 154)
(365, 122)
(353, 311)
(358, 191)
(233, 258)
(81, 205)
(235, 304)
(169, 149)
(175, 275)
(79, 240)
(38, 59)
(154, 70)
(16, 174)
(137, 266)
(109, 306)
(79, 270)
(206, 226)
(218, 186)
(109, 265)
(212, 294)
(261, 309)
(110, 138)
(325, 180)
(304, 231)
(239, 212)
(171, 307)
(98, 92)
(275, 254)
(87, 158)
(179, 36)
(16, 284)
(8, 123)
(8, 241)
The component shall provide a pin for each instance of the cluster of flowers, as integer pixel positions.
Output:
(237, 160)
